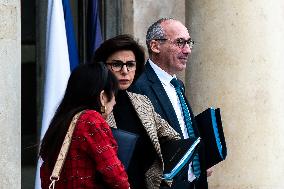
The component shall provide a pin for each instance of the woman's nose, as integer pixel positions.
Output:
(124, 69)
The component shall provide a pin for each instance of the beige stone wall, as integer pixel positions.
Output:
(238, 65)
(148, 11)
(10, 94)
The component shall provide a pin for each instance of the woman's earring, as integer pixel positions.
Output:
(103, 109)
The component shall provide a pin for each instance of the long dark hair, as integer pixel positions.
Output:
(83, 92)
(118, 43)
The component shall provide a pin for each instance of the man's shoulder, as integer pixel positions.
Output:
(138, 86)
(146, 75)
(141, 82)
(141, 79)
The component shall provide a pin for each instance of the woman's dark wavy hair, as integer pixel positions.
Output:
(83, 92)
(118, 43)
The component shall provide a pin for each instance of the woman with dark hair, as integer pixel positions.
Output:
(118, 44)
(91, 160)
(135, 113)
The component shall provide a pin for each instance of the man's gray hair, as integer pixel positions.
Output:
(155, 31)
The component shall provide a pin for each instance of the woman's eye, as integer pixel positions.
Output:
(116, 64)
(130, 64)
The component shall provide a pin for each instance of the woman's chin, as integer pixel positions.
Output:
(123, 86)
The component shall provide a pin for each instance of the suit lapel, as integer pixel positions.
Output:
(167, 111)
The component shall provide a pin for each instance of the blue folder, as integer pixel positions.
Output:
(126, 142)
(211, 132)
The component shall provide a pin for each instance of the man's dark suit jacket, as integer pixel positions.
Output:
(149, 84)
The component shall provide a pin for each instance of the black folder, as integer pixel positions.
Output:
(177, 154)
(211, 132)
(126, 142)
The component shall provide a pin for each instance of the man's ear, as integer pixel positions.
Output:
(155, 46)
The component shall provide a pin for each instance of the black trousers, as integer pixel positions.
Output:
(179, 185)
(182, 185)
(201, 183)
(181, 181)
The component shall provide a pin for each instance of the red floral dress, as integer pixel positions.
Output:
(92, 160)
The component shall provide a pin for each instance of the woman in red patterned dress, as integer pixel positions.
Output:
(92, 160)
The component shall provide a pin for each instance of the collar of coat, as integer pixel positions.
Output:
(155, 126)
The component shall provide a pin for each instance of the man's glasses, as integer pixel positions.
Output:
(117, 65)
(180, 42)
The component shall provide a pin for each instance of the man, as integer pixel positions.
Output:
(169, 46)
